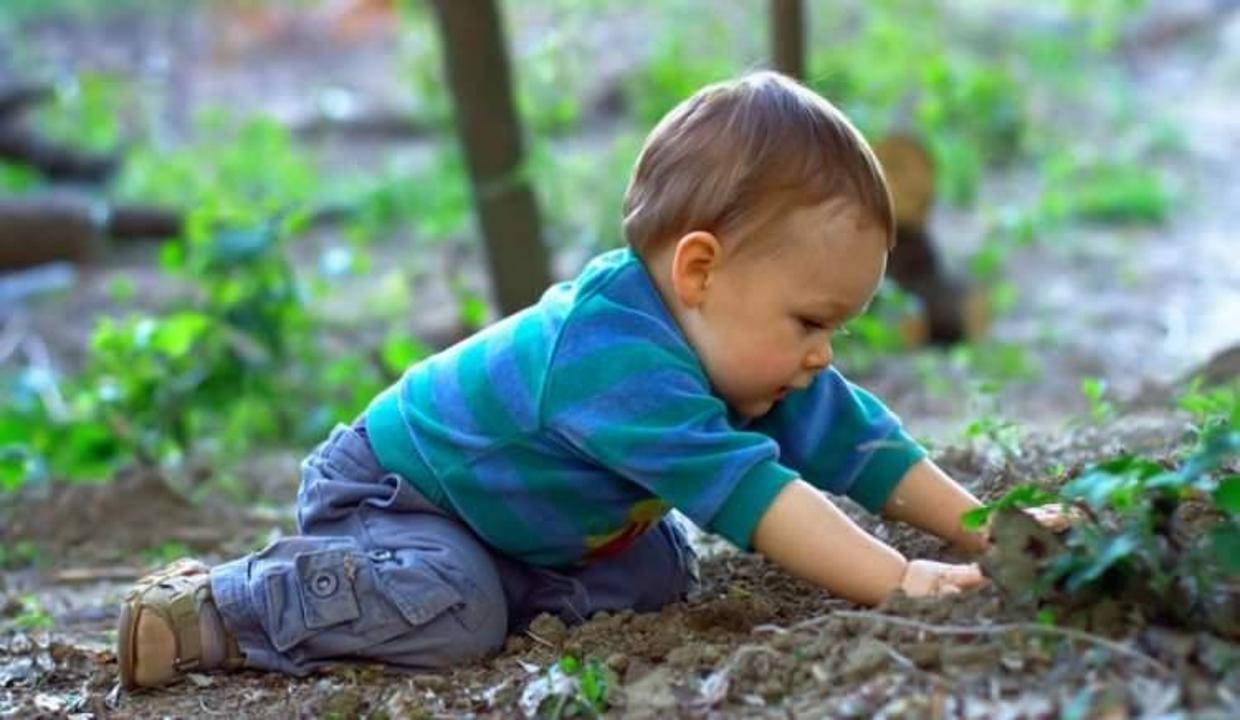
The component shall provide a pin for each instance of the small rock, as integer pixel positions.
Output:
(924, 654)
(863, 660)
(968, 656)
(651, 696)
(549, 628)
(618, 662)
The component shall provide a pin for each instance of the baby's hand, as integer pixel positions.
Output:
(926, 577)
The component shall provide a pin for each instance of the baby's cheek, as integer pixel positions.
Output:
(766, 367)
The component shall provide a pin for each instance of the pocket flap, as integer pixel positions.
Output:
(419, 592)
(327, 587)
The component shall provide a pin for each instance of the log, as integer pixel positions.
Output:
(19, 144)
(34, 231)
(74, 228)
(143, 222)
(16, 97)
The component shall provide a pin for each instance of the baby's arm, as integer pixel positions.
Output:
(807, 535)
(928, 499)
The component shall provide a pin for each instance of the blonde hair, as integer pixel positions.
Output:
(737, 154)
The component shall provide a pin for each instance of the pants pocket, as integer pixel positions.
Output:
(419, 592)
(336, 602)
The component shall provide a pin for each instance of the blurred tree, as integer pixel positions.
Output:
(476, 59)
(788, 37)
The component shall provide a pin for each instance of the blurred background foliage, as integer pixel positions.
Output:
(303, 259)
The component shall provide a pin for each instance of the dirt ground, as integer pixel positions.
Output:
(752, 642)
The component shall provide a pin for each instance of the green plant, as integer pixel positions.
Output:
(20, 554)
(87, 110)
(17, 178)
(1133, 545)
(1094, 390)
(995, 363)
(677, 70)
(1211, 407)
(572, 688)
(897, 63)
(245, 172)
(1115, 193)
(1021, 496)
(33, 615)
(1004, 434)
(237, 361)
(167, 552)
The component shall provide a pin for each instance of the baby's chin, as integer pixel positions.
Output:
(754, 409)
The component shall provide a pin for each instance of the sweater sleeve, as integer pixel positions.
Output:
(842, 439)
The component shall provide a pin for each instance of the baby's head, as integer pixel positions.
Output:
(764, 218)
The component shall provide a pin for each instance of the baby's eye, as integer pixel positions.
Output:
(812, 325)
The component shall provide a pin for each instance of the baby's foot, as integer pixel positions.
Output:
(169, 626)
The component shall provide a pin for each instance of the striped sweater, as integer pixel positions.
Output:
(563, 432)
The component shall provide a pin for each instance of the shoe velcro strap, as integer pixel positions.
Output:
(183, 612)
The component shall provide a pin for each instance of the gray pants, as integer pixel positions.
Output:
(380, 574)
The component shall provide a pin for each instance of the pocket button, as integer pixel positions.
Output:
(323, 584)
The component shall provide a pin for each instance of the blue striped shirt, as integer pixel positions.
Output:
(563, 432)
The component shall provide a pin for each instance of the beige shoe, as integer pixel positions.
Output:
(158, 637)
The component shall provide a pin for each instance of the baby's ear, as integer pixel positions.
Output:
(696, 258)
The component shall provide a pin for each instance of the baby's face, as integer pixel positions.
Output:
(767, 326)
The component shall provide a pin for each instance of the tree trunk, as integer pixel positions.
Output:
(788, 37)
(476, 58)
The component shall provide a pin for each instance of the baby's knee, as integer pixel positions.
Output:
(455, 612)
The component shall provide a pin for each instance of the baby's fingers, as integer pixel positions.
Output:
(962, 577)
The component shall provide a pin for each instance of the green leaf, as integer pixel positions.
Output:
(1227, 495)
(177, 334)
(473, 311)
(400, 351)
(1021, 496)
(13, 467)
(1095, 488)
(569, 665)
(237, 246)
(976, 519)
(171, 255)
(122, 289)
(1109, 552)
(1225, 541)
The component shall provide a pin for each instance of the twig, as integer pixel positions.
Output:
(37, 352)
(85, 575)
(908, 664)
(989, 630)
(12, 333)
(539, 639)
(715, 686)
(202, 702)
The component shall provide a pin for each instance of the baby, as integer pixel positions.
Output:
(531, 467)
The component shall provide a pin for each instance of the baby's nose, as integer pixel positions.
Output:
(819, 358)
